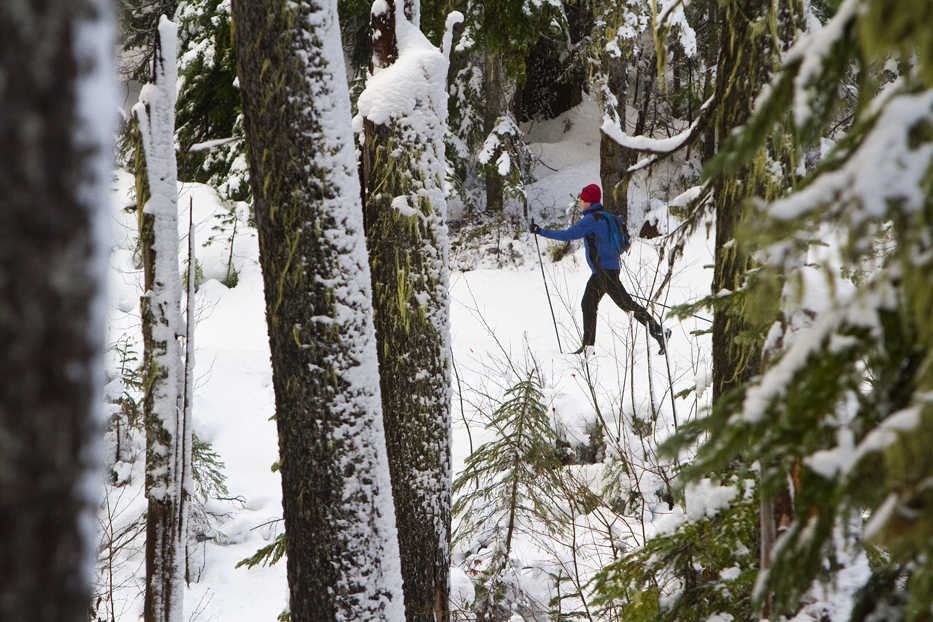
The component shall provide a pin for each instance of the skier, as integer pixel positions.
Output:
(604, 264)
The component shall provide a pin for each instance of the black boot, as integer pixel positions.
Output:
(662, 341)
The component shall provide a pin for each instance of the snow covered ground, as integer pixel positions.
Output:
(501, 328)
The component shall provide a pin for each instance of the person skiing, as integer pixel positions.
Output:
(603, 260)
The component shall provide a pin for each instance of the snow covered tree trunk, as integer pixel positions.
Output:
(404, 114)
(168, 431)
(342, 545)
(56, 122)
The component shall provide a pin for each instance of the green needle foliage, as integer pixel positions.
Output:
(266, 555)
(208, 470)
(843, 402)
(701, 569)
(209, 100)
(504, 487)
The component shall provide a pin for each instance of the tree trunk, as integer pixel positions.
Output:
(336, 494)
(742, 71)
(408, 250)
(614, 159)
(57, 97)
(495, 106)
(744, 67)
(168, 432)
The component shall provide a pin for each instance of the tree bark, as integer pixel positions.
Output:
(336, 495)
(53, 185)
(168, 432)
(614, 159)
(408, 260)
(745, 65)
(742, 71)
(495, 106)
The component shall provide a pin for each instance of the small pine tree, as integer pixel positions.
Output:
(502, 487)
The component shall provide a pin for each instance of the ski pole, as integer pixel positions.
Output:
(548, 293)
(661, 304)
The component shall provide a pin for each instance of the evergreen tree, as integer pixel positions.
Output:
(404, 112)
(704, 568)
(341, 536)
(496, 40)
(56, 122)
(842, 402)
(139, 22)
(747, 55)
(501, 491)
(209, 113)
(840, 406)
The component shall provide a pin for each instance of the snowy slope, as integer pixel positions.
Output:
(496, 316)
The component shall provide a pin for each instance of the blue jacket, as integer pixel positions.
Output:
(599, 253)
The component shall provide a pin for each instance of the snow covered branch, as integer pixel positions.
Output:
(658, 146)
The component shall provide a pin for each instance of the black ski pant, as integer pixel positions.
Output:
(607, 282)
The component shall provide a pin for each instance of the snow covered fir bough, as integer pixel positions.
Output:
(338, 381)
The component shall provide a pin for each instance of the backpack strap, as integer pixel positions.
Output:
(591, 248)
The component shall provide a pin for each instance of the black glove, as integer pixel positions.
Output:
(534, 228)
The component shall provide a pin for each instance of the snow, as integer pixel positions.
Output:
(812, 51)
(672, 12)
(454, 18)
(828, 463)
(419, 74)
(96, 113)
(500, 326)
(653, 145)
(705, 499)
(898, 168)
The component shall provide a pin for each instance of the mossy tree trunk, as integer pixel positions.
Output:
(336, 494)
(748, 54)
(744, 66)
(614, 159)
(54, 185)
(406, 234)
(494, 106)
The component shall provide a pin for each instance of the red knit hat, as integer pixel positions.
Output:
(591, 194)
